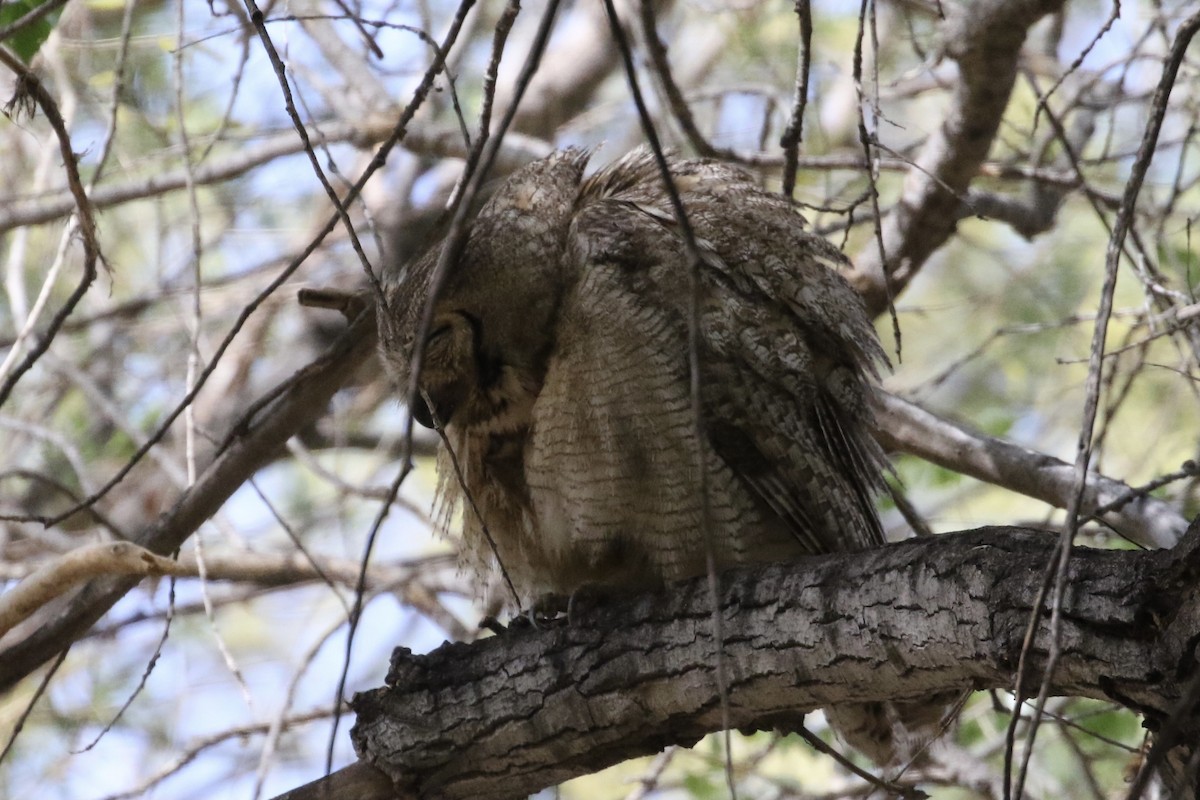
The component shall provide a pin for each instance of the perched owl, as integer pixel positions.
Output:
(558, 364)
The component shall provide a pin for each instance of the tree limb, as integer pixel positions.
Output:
(985, 39)
(510, 715)
(38, 586)
(17, 211)
(905, 426)
(299, 401)
(359, 781)
(80, 564)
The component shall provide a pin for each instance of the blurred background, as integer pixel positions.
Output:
(119, 389)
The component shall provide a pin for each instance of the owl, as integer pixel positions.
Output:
(559, 366)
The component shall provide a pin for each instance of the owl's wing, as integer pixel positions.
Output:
(787, 350)
(801, 422)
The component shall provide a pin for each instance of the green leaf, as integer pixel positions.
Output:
(28, 40)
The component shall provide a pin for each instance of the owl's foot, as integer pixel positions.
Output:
(546, 611)
(587, 597)
(554, 609)
(530, 619)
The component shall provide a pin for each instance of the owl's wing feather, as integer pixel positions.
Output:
(785, 342)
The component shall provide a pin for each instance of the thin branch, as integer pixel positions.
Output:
(452, 247)
(28, 85)
(865, 140)
(252, 447)
(794, 134)
(985, 39)
(398, 133)
(16, 211)
(39, 12)
(37, 694)
(256, 19)
(695, 264)
(198, 746)
(675, 100)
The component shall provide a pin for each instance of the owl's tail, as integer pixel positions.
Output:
(893, 734)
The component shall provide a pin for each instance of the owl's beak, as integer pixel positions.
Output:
(420, 412)
(444, 405)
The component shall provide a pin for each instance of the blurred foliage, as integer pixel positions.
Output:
(26, 41)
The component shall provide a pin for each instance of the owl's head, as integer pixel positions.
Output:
(484, 355)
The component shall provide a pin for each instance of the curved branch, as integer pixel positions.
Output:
(507, 716)
(30, 86)
(985, 39)
(39, 586)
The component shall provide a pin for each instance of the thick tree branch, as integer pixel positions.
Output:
(39, 586)
(359, 781)
(506, 716)
(985, 39)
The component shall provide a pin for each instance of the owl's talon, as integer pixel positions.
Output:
(546, 610)
(521, 622)
(490, 623)
(586, 598)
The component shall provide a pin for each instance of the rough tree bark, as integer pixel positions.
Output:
(509, 715)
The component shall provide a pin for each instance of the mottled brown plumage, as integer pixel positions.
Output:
(558, 362)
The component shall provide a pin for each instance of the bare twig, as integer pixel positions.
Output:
(256, 18)
(794, 134)
(695, 265)
(985, 39)
(254, 445)
(675, 99)
(451, 248)
(30, 85)
(38, 12)
(397, 134)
